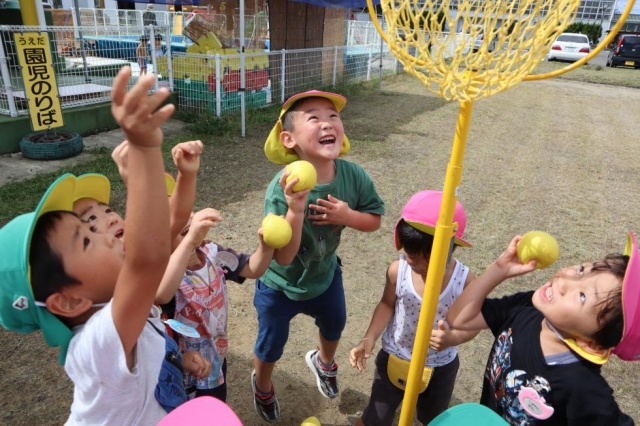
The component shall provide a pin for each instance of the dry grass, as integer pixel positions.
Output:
(558, 156)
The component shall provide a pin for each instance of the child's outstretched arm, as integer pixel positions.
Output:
(147, 245)
(259, 260)
(382, 315)
(336, 212)
(465, 313)
(296, 202)
(186, 157)
(201, 222)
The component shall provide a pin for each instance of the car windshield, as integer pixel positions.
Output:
(573, 38)
(633, 42)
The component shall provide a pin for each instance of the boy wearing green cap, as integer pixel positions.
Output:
(86, 296)
(305, 276)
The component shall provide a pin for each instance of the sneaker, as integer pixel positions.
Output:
(267, 407)
(327, 379)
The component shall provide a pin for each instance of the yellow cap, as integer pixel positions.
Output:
(275, 151)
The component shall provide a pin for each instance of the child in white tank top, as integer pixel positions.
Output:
(397, 316)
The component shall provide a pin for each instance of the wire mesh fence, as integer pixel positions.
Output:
(214, 82)
(84, 63)
(87, 58)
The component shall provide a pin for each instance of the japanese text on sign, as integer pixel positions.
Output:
(39, 79)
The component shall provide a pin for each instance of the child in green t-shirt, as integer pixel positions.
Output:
(305, 275)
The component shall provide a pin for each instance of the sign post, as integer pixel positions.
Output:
(41, 90)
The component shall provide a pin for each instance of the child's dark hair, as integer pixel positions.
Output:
(288, 119)
(611, 318)
(414, 241)
(47, 270)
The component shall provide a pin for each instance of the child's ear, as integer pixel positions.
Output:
(591, 347)
(287, 139)
(68, 306)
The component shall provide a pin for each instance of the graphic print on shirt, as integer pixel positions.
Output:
(201, 303)
(507, 385)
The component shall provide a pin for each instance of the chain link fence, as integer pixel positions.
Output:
(86, 59)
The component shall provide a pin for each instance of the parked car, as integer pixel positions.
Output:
(626, 52)
(569, 47)
(480, 39)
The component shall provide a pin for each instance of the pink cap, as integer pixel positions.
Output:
(629, 347)
(422, 213)
(201, 411)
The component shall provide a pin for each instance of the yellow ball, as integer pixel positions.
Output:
(276, 231)
(539, 246)
(306, 174)
(311, 421)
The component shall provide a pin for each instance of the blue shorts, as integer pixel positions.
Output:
(276, 310)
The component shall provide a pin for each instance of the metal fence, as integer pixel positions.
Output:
(86, 59)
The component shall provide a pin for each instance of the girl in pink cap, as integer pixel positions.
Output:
(397, 316)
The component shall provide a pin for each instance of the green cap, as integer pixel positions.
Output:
(18, 310)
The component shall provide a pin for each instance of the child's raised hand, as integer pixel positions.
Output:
(194, 363)
(442, 337)
(201, 222)
(509, 263)
(297, 201)
(186, 156)
(119, 156)
(329, 212)
(361, 353)
(136, 112)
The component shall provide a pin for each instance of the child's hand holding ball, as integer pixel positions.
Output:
(306, 174)
(538, 246)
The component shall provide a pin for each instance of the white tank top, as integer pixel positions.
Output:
(400, 334)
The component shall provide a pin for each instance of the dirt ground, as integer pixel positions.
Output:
(557, 156)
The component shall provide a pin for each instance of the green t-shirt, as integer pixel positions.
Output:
(311, 271)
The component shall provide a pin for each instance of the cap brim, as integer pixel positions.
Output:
(276, 152)
(427, 229)
(629, 347)
(170, 182)
(92, 185)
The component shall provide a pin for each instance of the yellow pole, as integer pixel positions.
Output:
(28, 12)
(441, 243)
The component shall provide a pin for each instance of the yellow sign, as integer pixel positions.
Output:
(39, 78)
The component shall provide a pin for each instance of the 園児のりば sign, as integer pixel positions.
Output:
(40, 87)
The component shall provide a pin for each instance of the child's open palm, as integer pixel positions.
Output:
(361, 353)
(186, 156)
(138, 114)
(329, 212)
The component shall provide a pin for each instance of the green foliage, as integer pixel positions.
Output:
(593, 31)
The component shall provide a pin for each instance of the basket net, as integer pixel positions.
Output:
(484, 48)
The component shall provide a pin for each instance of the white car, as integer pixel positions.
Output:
(569, 47)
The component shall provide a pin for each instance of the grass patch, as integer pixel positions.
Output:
(598, 74)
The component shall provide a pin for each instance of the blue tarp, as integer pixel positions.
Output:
(347, 4)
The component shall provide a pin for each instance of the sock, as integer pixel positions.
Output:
(324, 366)
(263, 395)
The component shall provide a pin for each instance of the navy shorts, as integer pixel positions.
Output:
(386, 397)
(276, 310)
